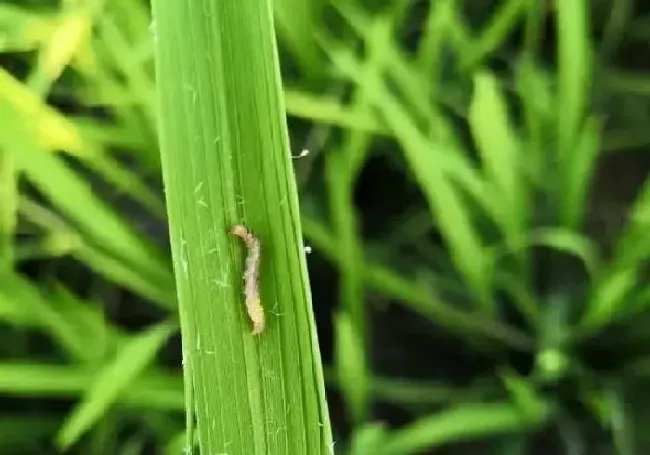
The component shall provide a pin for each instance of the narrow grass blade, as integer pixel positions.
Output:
(523, 394)
(522, 295)
(87, 320)
(53, 130)
(151, 390)
(563, 241)
(538, 100)
(609, 296)
(93, 217)
(616, 27)
(68, 192)
(368, 440)
(62, 239)
(8, 208)
(343, 167)
(577, 140)
(115, 377)
(574, 77)
(351, 366)
(633, 245)
(19, 292)
(351, 329)
(457, 424)
(500, 154)
(138, 81)
(431, 45)
(450, 214)
(621, 420)
(533, 28)
(127, 181)
(295, 23)
(578, 172)
(226, 161)
(154, 289)
(501, 25)
(71, 34)
(413, 295)
(330, 111)
(24, 29)
(430, 163)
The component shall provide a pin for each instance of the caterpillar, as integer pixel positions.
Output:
(251, 277)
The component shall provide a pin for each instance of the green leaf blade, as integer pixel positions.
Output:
(114, 378)
(226, 161)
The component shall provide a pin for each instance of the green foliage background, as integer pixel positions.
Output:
(475, 196)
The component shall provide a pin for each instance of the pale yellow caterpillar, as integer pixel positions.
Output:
(251, 277)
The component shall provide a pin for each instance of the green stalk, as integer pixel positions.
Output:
(8, 208)
(225, 156)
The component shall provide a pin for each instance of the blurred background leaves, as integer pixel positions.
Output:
(475, 195)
